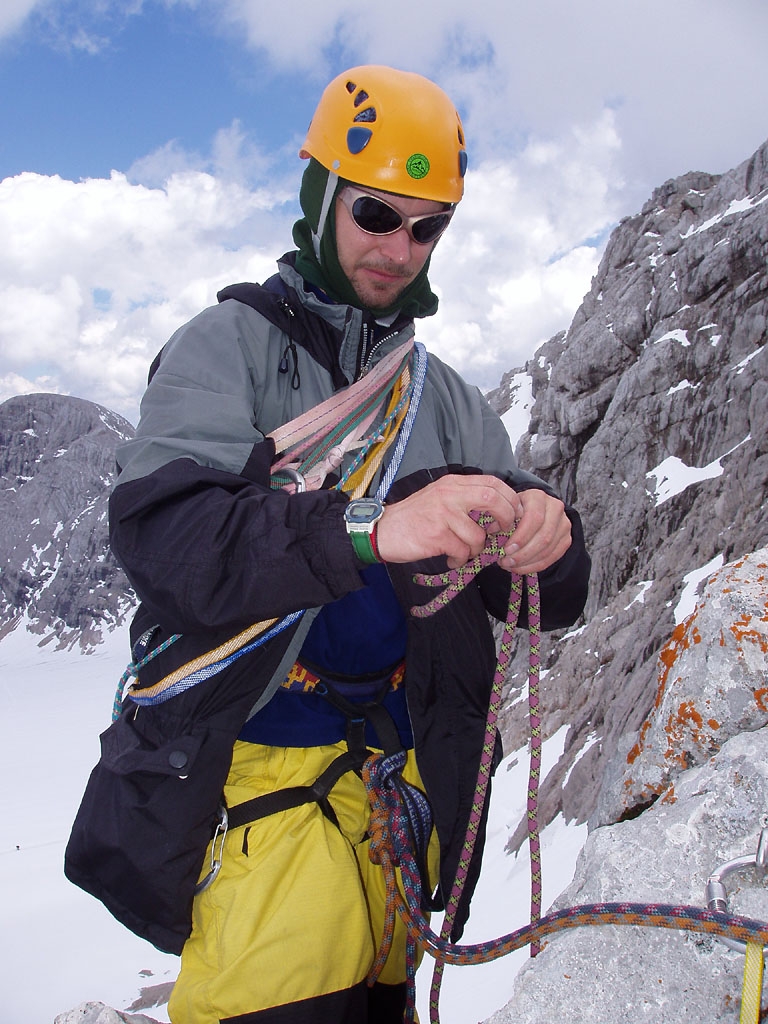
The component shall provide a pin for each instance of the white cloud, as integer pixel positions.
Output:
(687, 80)
(517, 67)
(233, 157)
(12, 384)
(574, 112)
(97, 274)
(13, 13)
(516, 263)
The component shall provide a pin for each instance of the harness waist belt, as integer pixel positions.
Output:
(304, 678)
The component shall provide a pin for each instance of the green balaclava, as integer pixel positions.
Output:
(417, 300)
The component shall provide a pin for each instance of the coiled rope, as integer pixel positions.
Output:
(391, 844)
(304, 444)
(390, 848)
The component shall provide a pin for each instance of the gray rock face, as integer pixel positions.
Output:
(704, 752)
(99, 1013)
(57, 464)
(651, 415)
(712, 686)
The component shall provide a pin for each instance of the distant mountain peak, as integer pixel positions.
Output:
(57, 465)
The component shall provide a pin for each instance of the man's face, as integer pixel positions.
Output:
(380, 267)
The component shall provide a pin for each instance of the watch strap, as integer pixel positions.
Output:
(364, 544)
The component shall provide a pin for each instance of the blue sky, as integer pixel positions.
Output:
(148, 156)
(160, 75)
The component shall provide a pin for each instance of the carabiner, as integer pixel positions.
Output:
(220, 834)
(297, 477)
(717, 897)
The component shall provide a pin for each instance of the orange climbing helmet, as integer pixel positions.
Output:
(390, 130)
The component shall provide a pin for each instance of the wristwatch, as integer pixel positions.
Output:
(360, 517)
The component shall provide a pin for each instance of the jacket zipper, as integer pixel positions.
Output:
(365, 360)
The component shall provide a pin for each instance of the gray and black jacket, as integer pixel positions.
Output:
(210, 549)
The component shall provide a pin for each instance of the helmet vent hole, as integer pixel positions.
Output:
(358, 139)
(351, 87)
(369, 114)
(361, 97)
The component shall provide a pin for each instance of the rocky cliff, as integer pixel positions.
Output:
(651, 415)
(57, 464)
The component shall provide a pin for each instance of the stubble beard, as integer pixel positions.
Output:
(380, 294)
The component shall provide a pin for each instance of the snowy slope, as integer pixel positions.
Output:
(61, 948)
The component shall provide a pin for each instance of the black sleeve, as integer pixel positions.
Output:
(206, 549)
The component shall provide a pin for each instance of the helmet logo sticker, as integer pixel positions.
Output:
(417, 165)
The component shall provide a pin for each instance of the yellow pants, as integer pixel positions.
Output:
(297, 910)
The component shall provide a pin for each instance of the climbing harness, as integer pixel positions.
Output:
(390, 847)
(417, 814)
(303, 449)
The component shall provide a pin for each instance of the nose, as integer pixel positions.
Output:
(397, 246)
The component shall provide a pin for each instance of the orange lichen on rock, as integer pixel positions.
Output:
(684, 634)
(688, 723)
(743, 629)
(634, 753)
(761, 698)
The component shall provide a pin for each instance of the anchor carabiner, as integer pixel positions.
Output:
(717, 897)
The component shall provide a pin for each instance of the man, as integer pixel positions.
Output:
(250, 496)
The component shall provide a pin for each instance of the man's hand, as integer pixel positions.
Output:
(542, 535)
(436, 521)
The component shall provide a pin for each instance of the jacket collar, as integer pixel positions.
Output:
(361, 338)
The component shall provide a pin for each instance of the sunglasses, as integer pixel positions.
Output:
(375, 217)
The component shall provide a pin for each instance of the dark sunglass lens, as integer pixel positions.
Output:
(375, 217)
(429, 228)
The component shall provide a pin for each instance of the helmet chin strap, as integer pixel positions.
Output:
(330, 188)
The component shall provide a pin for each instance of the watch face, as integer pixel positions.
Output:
(362, 511)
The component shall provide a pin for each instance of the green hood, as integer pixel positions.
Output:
(417, 300)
